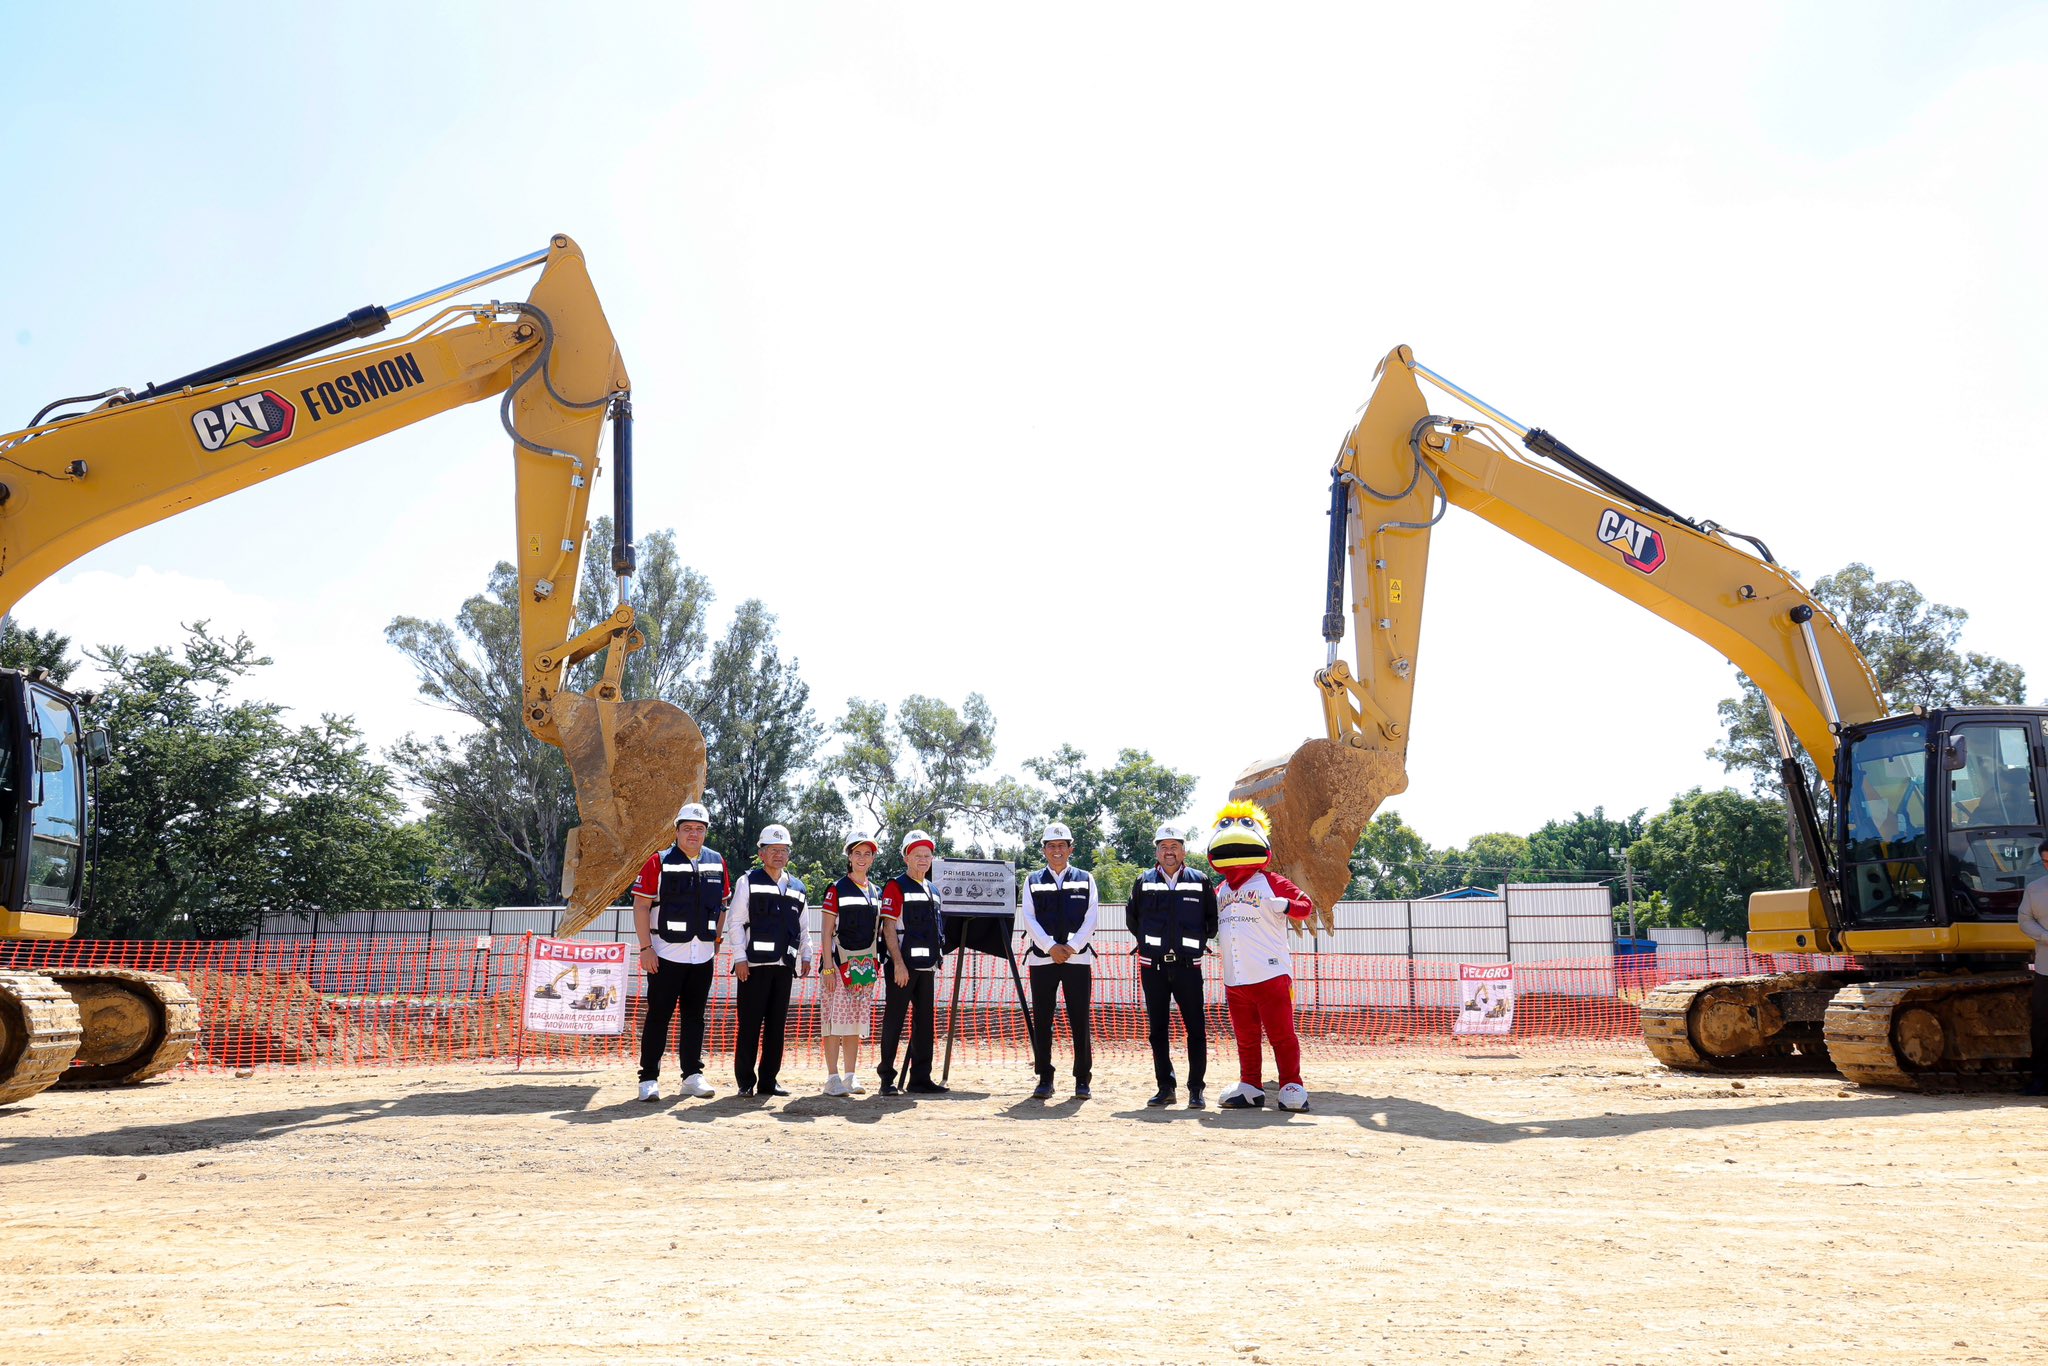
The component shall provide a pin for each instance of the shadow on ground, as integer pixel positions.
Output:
(216, 1131)
(1419, 1119)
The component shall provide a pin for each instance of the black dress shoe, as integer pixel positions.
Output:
(2035, 1088)
(1043, 1091)
(775, 1089)
(890, 1088)
(927, 1088)
(743, 1091)
(1195, 1101)
(1081, 1091)
(1163, 1096)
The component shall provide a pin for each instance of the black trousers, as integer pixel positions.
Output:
(2040, 1004)
(914, 1001)
(1048, 981)
(764, 1009)
(673, 984)
(1176, 982)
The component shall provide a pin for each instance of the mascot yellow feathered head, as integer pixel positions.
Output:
(1242, 837)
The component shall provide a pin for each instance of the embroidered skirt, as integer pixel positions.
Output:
(846, 1010)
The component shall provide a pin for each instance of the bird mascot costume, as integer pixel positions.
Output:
(1256, 908)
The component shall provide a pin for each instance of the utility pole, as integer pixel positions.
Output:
(1628, 882)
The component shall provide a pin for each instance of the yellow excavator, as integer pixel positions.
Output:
(1936, 820)
(89, 469)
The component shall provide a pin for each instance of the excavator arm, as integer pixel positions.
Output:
(76, 481)
(1397, 472)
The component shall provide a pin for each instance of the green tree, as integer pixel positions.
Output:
(759, 733)
(670, 604)
(924, 768)
(820, 826)
(1489, 860)
(216, 811)
(1708, 851)
(1114, 878)
(24, 647)
(1391, 862)
(1589, 845)
(1114, 811)
(503, 796)
(1911, 645)
(1652, 909)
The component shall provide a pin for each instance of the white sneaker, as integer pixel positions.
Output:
(855, 1085)
(696, 1088)
(650, 1090)
(1243, 1096)
(835, 1087)
(1294, 1096)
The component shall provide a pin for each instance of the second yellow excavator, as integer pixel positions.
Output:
(1936, 823)
(89, 469)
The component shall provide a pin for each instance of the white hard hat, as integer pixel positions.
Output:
(693, 811)
(1169, 832)
(1056, 831)
(774, 834)
(860, 837)
(917, 837)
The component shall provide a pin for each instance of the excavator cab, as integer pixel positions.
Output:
(44, 755)
(1942, 818)
(80, 1025)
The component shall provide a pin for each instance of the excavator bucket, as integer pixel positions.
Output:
(635, 764)
(1320, 800)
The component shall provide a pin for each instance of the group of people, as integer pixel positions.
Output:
(687, 903)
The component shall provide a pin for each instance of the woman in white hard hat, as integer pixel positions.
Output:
(917, 945)
(848, 965)
(765, 922)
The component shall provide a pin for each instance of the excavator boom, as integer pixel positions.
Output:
(1398, 470)
(79, 479)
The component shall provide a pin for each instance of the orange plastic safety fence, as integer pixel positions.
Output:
(364, 1001)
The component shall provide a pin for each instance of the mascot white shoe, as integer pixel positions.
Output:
(1243, 1097)
(1294, 1096)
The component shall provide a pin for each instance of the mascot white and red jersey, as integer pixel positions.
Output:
(1256, 907)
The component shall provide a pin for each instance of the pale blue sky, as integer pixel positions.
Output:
(1094, 289)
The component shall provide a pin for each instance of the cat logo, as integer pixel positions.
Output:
(1641, 547)
(259, 420)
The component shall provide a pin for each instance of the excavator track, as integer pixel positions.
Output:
(135, 1024)
(1769, 1022)
(39, 1034)
(1932, 1033)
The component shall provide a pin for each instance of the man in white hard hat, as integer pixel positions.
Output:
(765, 921)
(677, 904)
(1059, 913)
(916, 934)
(1172, 915)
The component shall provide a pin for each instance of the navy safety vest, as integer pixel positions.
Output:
(775, 920)
(1061, 902)
(690, 897)
(1167, 918)
(860, 916)
(919, 932)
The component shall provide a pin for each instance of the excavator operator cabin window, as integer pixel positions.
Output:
(56, 779)
(1994, 819)
(1888, 795)
(1885, 872)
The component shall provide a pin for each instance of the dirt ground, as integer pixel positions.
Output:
(1580, 1207)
